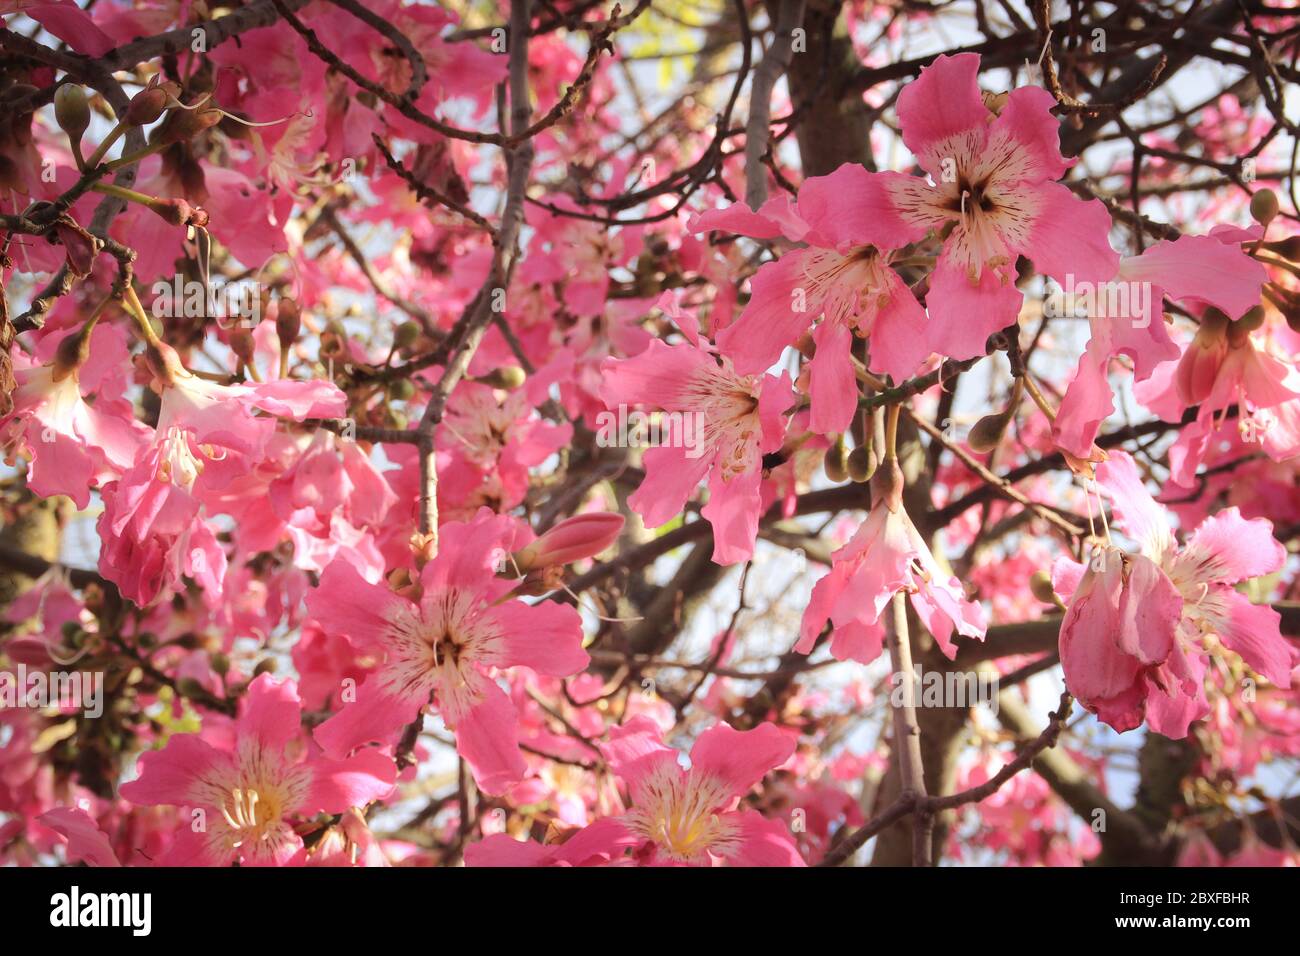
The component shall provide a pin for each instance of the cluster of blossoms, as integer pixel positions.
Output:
(418, 519)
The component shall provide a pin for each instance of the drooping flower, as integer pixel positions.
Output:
(1139, 627)
(443, 645)
(886, 555)
(842, 274)
(245, 796)
(1126, 318)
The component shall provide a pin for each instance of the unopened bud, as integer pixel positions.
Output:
(242, 344)
(288, 321)
(986, 434)
(220, 663)
(72, 111)
(406, 335)
(1264, 206)
(862, 463)
(837, 461)
(508, 377)
(1040, 586)
(573, 539)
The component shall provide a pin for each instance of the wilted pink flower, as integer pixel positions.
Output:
(886, 555)
(1138, 627)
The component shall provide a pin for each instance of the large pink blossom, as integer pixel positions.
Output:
(444, 645)
(992, 196)
(842, 273)
(730, 421)
(244, 795)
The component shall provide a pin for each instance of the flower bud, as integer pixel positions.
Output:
(508, 377)
(72, 111)
(1040, 586)
(406, 335)
(862, 463)
(573, 539)
(242, 344)
(837, 461)
(288, 321)
(401, 390)
(1263, 206)
(986, 434)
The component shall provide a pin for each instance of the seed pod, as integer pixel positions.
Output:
(220, 663)
(401, 390)
(266, 665)
(862, 463)
(1263, 206)
(836, 461)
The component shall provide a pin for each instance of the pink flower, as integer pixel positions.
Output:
(729, 422)
(74, 446)
(993, 198)
(1199, 271)
(444, 645)
(1138, 627)
(87, 843)
(690, 817)
(886, 555)
(245, 797)
(678, 817)
(207, 436)
(842, 274)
